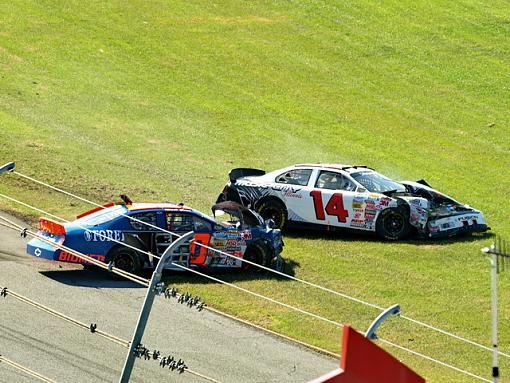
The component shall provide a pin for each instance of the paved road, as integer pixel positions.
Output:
(210, 344)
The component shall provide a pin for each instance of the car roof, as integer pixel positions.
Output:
(335, 166)
(157, 205)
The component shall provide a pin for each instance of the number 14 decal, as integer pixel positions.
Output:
(335, 206)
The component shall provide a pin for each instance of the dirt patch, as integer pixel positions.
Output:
(28, 219)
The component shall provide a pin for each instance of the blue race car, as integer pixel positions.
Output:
(97, 232)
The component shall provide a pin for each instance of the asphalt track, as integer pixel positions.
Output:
(209, 343)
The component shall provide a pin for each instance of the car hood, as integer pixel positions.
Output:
(423, 190)
(249, 217)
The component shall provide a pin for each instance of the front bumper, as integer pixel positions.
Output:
(470, 222)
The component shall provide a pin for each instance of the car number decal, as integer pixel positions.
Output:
(335, 206)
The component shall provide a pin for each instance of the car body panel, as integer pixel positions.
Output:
(97, 232)
(336, 196)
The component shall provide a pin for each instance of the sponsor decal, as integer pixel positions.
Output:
(220, 234)
(281, 188)
(358, 202)
(292, 195)
(467, 217)
(370, 214)
(358, 223)
(232, 242)
(67, 257)
(246, 234)
(385, 201)
(103, 235)
(37, 252)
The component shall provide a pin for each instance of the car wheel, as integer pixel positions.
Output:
(393, 224)
(256, 253)
(275, 210)
(125, 259)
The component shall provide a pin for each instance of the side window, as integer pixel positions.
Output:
(179, 221)
(334, 181)
(148, 217)
(200, 225)
(295, 177)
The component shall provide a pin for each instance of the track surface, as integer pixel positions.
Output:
(210, 344)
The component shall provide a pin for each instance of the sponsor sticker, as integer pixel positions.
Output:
(103, 235)
(246, 234)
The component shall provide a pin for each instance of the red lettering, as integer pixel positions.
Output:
(317, 204)
(335, 206)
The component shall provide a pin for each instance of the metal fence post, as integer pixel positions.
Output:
(146, 308)
(499, 258)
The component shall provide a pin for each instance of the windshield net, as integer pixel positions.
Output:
(375, 182)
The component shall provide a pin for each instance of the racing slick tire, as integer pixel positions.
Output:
(393, 223)
(256, 253)
(275, 210)
(125, 259)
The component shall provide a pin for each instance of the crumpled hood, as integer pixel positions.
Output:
(435, 197)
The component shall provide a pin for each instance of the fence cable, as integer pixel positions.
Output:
(128, 275)
(26, 370)
(416, 353)
(115, 339)
(334, 292)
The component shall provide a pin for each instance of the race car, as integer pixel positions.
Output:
(333, 196)
(101, 232)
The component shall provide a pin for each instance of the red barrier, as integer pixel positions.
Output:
(364, 362)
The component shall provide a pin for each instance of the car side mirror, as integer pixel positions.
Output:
(218, 227)
(269, 223)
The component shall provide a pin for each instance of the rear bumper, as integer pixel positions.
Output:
(42, 249)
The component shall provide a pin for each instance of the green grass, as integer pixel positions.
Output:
(160, 100)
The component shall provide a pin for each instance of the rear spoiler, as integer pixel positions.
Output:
(52, 227)
(244, 172)
(93, 210)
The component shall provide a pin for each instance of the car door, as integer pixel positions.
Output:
(203, 229)
(332, 198)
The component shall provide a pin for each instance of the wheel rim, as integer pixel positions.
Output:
(254, 256)
(275, 215)
(124, 262)
(394, 224)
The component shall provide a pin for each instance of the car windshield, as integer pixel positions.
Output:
(375, 182)
(104, 215)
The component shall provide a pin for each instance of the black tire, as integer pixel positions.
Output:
(257, 253)
(393, 223)
(275, 210)
(125, 259)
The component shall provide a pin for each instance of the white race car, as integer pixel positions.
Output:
(332, 196)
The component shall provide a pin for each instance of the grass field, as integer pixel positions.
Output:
(160, 100)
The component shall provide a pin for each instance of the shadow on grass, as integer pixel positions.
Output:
(356, 235)
(97, 278)
(230, 276)
(88, 278)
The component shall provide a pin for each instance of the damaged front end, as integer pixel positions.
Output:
(435, 214)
